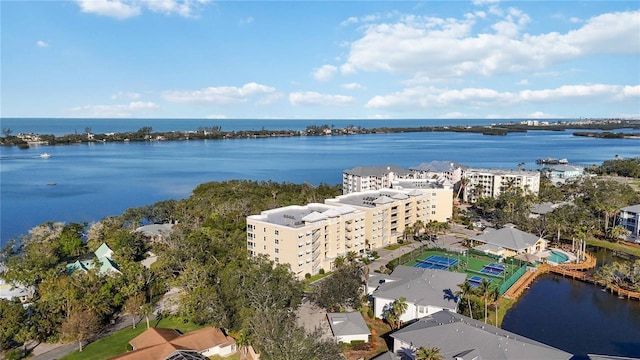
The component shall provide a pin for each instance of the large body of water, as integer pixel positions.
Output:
(96, 180)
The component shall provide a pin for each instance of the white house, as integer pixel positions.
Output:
(348, 326)
(426, 291)
(630, 218)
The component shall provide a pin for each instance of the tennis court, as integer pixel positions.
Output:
(475, 280)
(436, 262)
(493, 269)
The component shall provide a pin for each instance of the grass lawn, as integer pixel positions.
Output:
(235, 356)
(118, 342)
(615, 246)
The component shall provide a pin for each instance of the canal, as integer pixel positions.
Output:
(577, 317)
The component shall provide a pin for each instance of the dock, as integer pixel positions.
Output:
(575, 271)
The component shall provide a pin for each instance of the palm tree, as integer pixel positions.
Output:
(146, 310)
(466, 290)
(484, 290)
(463, 183)
(351, 256)
(494, 294)
(395, 311)
(339, 262)
(430, 353)
(408, 230)
(617, 232)
(242, 341)
(418, 226)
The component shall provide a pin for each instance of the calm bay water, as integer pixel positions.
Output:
(576, 317)
(96, 180)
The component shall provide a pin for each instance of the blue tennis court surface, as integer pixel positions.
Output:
(436, 262)
(493, 269)
(475, 280)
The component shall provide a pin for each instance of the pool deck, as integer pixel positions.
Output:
(547, 253)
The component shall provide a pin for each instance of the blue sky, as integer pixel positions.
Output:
(320, 59)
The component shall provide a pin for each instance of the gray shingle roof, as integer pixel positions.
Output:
(632, 208)
(421, 286)
(387, 356)
(377, 170)
(508, 238)
(460, 337)
(347, 323)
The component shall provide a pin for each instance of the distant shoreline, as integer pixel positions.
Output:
(146, 133)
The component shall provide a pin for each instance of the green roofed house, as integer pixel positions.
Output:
(102, 256)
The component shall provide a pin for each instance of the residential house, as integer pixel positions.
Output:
(562, 172)
(156, 232)
(426, 291)
(629, 218)
(101, 257)
(509, 241)
(169, 344)
(492, 182)
(347, 327)
(462, 338)
(363, 178)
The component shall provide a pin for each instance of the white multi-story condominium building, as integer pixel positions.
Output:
(452, 171)
(309, 238)
(492, 182)
(371, 177)
(630, 218)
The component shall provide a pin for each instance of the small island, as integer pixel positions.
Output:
(146, 133)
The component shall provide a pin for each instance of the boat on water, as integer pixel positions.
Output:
(45, 155)
(552, 161)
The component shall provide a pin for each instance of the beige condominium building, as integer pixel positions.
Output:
(308, 238)
(492, 182)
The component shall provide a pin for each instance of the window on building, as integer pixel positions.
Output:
(277, 251)
(277, 241)
(277, 260)
(277, 232)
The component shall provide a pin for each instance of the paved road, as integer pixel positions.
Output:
(59, 351)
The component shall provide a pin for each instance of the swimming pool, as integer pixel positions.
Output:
(557, 257)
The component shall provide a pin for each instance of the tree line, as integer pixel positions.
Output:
(205, 257)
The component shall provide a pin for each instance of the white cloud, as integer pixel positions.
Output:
(216, 116)
(111, 8)
(114, 111)
(414, 45)
(123, 9)
(523, 82)
(125, 95)
(484, 2)
(541, 115)
(314, 98)
(247, 20)
(352, 86)
(42, 44)
(324, 73)
(222, 95)
(432, 97)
